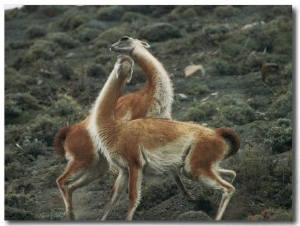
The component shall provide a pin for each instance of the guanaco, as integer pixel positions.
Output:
(157, 147)
(85, 162)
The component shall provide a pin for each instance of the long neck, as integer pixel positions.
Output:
(153, 69)
(104, 109)
(158, 80)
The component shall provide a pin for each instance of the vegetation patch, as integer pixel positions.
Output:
(41, 49)
(279, 136)
(282, 105)
(153, 194)
(64, 40)
(226, 11)
(132, 16)
(110, 13)
(159, 32)
(35, 31)
(201, 112)
(234, 113)
(72, 21)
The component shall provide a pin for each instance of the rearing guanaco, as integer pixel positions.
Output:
(85, 162)
(157, 147)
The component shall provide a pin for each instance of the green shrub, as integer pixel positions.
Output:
(12, 134)
(221, 67)
(51, 10)
(12, 154)
(21, 201)
(86, 34)
(280, 215)
(216, 29)
(41, 130)
(12, 111)
(282, 43)
(110, 13)
(112, 35)
(131, 16)
(282, 105)
(97, 70)
(65, 69)
(16, 82)
(18, 215)
(231, 50)
(53, 215)
(35, 31)
(14, 170)
(253, 167)
(69, 109)
(64, 40)
(188, 13)
(34, 147)
(288, 70)
(226, 11)
(13, 14)
(201, 112)
(41, 49)
(279, 136)
(19, 44)
(18, 107)
(24, 101)
(235, 112)
(197, 89)
(72, 21)
(159, 32)
(30, 8)
(64, 107)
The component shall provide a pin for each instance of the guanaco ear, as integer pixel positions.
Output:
(129, 76)
(118, 70)
(145, 44)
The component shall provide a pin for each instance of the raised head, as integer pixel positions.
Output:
(127, 45)
(124, 65)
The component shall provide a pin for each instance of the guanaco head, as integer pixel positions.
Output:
(124, 65)
(127, 45)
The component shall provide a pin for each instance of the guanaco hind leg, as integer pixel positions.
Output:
(213, 180)
(78, 179)
(134, 189)
(227, 173)
(70, 169)
(116, 192)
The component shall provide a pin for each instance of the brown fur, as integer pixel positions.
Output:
(163, 142)
(233, 139)
(59, 139)
(76, 143)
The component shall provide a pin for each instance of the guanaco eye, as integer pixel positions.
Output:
(125, 38)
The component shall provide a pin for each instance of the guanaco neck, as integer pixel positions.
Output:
(158, 81)
(105, 105)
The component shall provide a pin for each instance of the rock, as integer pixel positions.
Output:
(253, 25)
(181, 96)
(69, 55)
(190, 70)
(159, 32)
